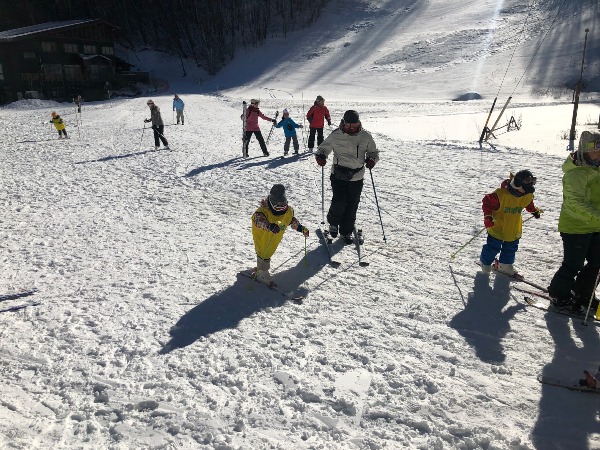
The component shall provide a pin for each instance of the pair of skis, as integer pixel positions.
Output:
(297, 299)
(16, 296)
(332, 254)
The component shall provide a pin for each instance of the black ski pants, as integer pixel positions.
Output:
(311, 137)
(159, 134)
(259, 138)
(574, 273)
(344, 204)
(286, 145)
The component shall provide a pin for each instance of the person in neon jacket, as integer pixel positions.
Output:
(269, 222)
(575, 282)
(503, 220)
(59, 125)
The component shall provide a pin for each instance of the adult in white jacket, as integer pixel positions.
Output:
(353, 149)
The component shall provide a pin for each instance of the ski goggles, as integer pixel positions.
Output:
(351, 128)
(593, 145)
(278, 206)
(254, 103)
(529, 180)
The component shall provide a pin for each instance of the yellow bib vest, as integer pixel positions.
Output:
(508, 222)
(265, 242)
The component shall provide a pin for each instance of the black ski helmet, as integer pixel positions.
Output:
(525, 179)
(351, 116)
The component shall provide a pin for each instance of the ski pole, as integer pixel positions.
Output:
(303, 124)
(143, 129)
(467, 243)
(272, 127)
(377, 203)
(591, 299)
(305, 255)
(478, 233)
(322, 195)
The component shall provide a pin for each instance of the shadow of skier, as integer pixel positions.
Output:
(556, 428)
(484, 321)
(226, 309)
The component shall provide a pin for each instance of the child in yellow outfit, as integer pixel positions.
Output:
(269, 222)
(59, 125)
(503, 221)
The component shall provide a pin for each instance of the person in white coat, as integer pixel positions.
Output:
(353, 149)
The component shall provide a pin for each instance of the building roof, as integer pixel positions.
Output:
(25, 32)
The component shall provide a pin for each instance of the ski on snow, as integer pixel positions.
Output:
(19, 307)
(545, 304)
(566, 384)
(334, 252)
(297, 299)
(15, 295)
(328, 241)
(516, 277)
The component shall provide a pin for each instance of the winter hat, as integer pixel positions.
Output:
(589, 141)
(351, 116)
(285, 111)
(277, 194)
(320, 99)
(254, 100)
(524, 179)
(149, 102)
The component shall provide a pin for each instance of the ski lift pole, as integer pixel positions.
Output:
(377, 203)
(485, 128)
(498, 119)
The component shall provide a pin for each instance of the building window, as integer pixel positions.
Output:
(1, 73)
(71, 48)
(53, 68)
(108, 51)
(89, 49)
(49, 46)
(72, 72)
(29, 55)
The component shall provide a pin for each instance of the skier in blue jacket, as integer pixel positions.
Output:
(178, 107)
(289, 130)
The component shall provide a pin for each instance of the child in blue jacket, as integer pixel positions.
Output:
(289, 130)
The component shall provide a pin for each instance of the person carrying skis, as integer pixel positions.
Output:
(316, 116)
(178, 106)
(575, 282)
(60, 126)
(289, 131)
(158, 125)
(269, 222)
(504, 223)
(353, 148)
(252, 115)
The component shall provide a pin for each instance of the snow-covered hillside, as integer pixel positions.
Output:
(146, 336)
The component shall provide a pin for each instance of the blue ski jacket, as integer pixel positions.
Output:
(289, 127)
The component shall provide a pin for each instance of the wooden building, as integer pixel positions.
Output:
(60, 60)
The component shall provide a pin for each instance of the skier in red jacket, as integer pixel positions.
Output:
(316, 116)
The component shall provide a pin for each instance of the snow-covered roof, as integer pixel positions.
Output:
(21, 33)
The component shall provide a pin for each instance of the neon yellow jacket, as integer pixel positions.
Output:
(266, 242)
(58, 123)
(580, 211)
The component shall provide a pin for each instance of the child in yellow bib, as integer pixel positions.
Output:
(503, 221)
(269, 222)
(59, 125)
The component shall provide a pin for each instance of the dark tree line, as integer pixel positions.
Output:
(207, 31)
